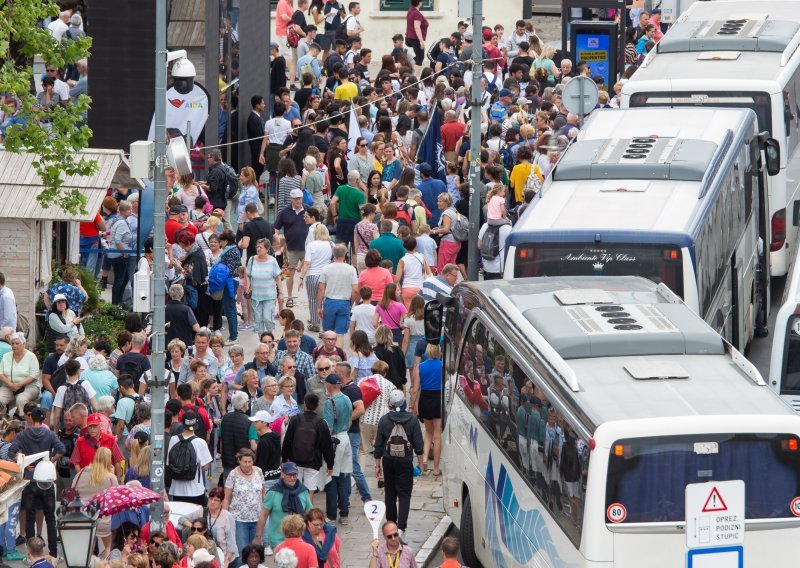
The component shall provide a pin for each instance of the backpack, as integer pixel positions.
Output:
(59, 377)
(490, 243)
(491, 88)
(534, 180)
(341, 31)
(459, 228)
(305, 440)
(134, 419)
(231, 181)
(182, 460)
(132, 368)
(397, 445)
(217, 279)
(200, 427)
(74, 394)
(404, 214)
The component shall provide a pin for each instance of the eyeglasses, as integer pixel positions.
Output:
(329, 338)
(328, 368)
(391, 536)
(198, 529)
(318, 525)
(290, 366)
(132, 536)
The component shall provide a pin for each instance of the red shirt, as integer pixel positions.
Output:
(412, 16)
(169, 528)
(90, 228)
(376, 278)
(172, 226)
(306, 557)
(83, 454)
(451, 132)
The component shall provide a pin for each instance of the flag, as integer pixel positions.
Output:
(353, 133)
(430, 150)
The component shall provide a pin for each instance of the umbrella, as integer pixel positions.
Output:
(121, 498)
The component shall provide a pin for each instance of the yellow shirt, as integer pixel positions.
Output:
(378, 165)
(346, 91)
(517, 179)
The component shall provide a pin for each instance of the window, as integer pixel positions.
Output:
(403, 5)
(531, 432)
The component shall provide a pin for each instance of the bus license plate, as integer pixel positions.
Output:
(705, 448)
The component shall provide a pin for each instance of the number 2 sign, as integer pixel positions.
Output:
(374, 510)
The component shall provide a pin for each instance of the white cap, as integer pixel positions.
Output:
(296, 193)
(396, 398)
(262, 416)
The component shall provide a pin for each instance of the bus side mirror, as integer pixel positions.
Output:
(772, 151)
(796, 213)
(433, 322)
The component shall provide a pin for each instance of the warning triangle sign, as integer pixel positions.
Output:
(714, 503)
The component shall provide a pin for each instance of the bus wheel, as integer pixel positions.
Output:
(467, 535)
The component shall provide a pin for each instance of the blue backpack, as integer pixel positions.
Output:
(217, 279)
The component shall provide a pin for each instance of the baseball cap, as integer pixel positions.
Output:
(333, 379)
(189, 419)
(655, 11)
(467, 36)
(425, 168)
(202, 555)
(396, 398)
(59, 297)
(487, 34)
(289, 467)
(504, 93)
(176, 209)
(295, 193)
(273, 45)
(93, 420)
(262, 416)
(523, 101)
(37, 414)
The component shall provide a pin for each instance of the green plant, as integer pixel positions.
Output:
(87, 281)
(107, 321)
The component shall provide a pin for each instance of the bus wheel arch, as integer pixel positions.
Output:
(466, 532)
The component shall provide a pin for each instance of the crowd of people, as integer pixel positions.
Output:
(363, 231)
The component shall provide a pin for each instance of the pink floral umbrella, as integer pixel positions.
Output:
(120, 498)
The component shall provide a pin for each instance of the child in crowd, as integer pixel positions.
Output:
(426, 245)
(362, 315)
(496, 206)
(452, 181)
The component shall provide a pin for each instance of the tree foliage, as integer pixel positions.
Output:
(21, 39)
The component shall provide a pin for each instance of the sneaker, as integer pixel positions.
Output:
(245, 326)
(343, 521)
(330, 521)
(267, 551)
(15, 556)
(230, 342)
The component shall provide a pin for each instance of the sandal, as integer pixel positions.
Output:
(290, 303)
(437, 472)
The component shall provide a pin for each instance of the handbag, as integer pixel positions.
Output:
(370, 390)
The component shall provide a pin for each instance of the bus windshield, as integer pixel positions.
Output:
(759, 102)
(659, 263)
(649, 475)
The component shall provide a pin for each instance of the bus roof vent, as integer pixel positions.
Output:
(646, 157)
(751, 33)
(656, 370)
(614, 318)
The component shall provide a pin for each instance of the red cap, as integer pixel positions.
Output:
(93, 420)
(487, 35)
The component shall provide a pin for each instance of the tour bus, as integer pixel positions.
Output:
(676, 196)
(784, 365)
(580, 414)
(740, 54)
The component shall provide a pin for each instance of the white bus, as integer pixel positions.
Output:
(740, 54)
(672, 195)
(571, 438)
(784, 365)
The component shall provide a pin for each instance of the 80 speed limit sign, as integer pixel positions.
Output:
(616, 512)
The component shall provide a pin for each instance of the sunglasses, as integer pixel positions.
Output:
(328, 368)
(391, 536)
(362, 145)
(290, 366)
(198, 529)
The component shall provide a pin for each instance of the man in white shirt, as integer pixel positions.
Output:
(59, 87)
(8, 305)
(493, 267)
(189, 490)
(354, 28)
(60, 25)
(73, 370)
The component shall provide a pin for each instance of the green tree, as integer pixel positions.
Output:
(57, 147)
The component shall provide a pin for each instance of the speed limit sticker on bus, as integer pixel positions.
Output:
(795, 506)
(616, 512)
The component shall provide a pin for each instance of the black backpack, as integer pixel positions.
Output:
(133, 368)
(182, 460)
(231, 181)
(341, 31)
(304, 442)
(490, 243)
(74, 394)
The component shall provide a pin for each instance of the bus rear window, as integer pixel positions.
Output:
(659, 263)
(648, 476)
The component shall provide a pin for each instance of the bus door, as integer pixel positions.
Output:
(755, 179)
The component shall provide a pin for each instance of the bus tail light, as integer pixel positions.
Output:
(778, 230)
(672, 254)
(621, 451)
(789, 445)
(592, 444)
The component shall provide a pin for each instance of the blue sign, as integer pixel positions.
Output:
(594, 49)
(722, 557)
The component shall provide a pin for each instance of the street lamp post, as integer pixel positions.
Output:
(77, 532)
(475, 140)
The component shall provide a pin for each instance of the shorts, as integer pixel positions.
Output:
(295, 258)
(336, 315)
(284, 48)
(311, 478)
(326, 40)
(430, 404)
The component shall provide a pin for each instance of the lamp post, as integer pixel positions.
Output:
(475, 140)
(76, 531)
